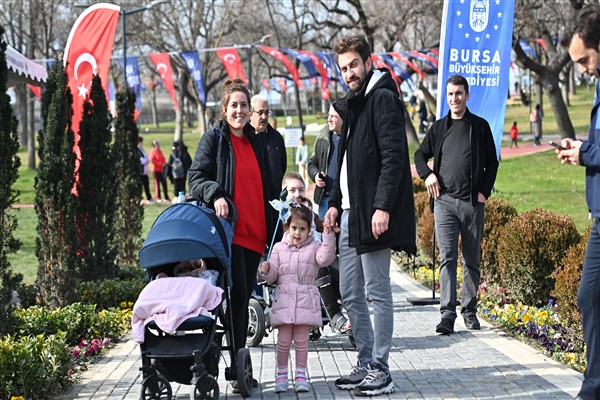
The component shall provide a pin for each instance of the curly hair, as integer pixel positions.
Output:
(230, 86)
(357, 43)
(585, 23)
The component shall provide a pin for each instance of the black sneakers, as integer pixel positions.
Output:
(445, 327)
(472, 323)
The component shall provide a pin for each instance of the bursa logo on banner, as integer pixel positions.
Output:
(480, 66)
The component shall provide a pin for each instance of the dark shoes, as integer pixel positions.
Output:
(445, 327)
(472, 323)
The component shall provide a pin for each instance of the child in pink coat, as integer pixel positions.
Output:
(296, 303)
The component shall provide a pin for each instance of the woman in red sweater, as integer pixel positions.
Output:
(231, 162)
(158, 162)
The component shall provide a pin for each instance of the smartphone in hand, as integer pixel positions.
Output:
(558, 146)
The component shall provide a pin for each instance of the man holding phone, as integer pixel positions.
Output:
(322, 166)
(582, 39)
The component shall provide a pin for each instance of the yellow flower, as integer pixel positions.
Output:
(17, 398)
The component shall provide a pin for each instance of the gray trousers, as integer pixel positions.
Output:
(368, 272)
(454, 216)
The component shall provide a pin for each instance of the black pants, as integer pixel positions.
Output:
(588, 298)
(159, 180)
(178, 186)
(244, 264)
(330, 293)
(146, 184)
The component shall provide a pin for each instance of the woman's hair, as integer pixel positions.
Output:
(300, 212)
(230, 86)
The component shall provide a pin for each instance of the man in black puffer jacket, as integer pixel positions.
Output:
(373, 197)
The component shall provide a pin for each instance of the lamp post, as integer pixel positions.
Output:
(250, 47)
(125, 13)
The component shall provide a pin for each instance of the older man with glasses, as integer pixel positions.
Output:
(273, 139)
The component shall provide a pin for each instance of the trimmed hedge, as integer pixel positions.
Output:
(529, 248)
(497, 214)
(567, 277)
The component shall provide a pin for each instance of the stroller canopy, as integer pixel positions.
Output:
(185, 232)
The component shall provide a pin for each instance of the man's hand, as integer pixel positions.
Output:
(221, 207)
(318, 181)
(433, 186)
(481, 198)
(379, 223)
(571, 154)
(331, 220)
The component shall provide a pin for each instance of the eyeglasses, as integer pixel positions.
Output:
(263, 112)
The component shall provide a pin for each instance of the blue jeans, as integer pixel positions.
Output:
(370, 271)
(454, 216)
(323, 207)
(588, 298)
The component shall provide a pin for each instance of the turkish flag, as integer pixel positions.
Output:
(162, 62)
(288, 64)
(87, 53)
(379, 63)
(233, 65)
(36, 90)
(282, 85)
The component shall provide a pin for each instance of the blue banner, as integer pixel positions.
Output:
(476, 41)
(192, 61)
(132, 75)
(528, 49)
(331, 65)
(398, 70)
(305, 59)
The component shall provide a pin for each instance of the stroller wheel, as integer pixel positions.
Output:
(206, 388)
(156, 387)
(315, 334)
(244, 372)
(256, 324)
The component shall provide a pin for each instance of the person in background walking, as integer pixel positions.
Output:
(536, 124)
(302, 159)
(179, 164)
(144, 160)
(464, 171)
(582, 39)
(514, 135)
(158, 162)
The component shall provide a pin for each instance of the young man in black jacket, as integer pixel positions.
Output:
(464, 170)
(373, 197)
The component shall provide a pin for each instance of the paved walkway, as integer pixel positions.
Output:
(465, 365)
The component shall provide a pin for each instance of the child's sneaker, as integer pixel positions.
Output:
(302, 385)
(281, 382)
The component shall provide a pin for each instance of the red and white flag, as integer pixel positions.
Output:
(288, 64)
(233, 65)
(87, 53)
(162, 62)
(325, 93)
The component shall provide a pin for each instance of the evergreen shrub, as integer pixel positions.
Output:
(567, 277)
(112, 292)
(529, 249)
(497, 214)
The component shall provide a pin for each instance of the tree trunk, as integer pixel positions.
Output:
(411, 133)
(299, 108)
(182, 80)
(30, 131)
(153, 107)
(559, 108)
(201, 118)
(21, 94)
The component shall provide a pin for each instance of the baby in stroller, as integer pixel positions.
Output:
(179, 320)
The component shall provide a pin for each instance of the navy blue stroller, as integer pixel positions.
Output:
(191, 356)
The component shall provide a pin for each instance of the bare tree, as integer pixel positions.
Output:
(539, 19)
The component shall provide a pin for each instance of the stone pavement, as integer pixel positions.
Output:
(482, 364)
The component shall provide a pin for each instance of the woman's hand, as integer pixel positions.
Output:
(221, 207)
